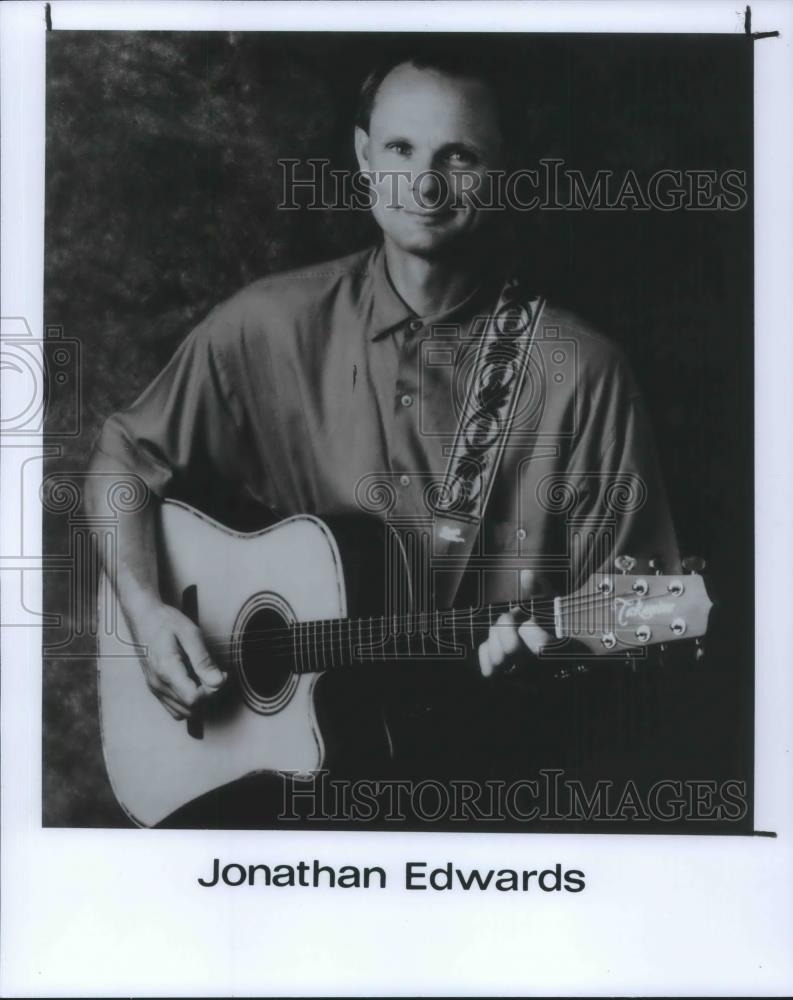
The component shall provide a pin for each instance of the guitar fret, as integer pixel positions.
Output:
(471, 623)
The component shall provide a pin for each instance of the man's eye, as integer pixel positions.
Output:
(461, 157)
(402, 148)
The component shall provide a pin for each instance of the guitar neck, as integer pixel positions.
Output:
(322, 645)
(610, 616)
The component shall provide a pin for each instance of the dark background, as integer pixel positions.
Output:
(162, 188)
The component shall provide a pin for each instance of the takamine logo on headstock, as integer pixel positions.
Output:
(624, 612)
(631, 609)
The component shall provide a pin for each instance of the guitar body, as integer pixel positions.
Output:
(267, 717)
(305, 617)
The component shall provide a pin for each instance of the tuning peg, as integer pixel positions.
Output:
(563, 674)
(581, 669)
(657, 565)
(624, 563)
(699, 655)
(694, 564)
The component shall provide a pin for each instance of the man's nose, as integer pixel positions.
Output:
(430, 188)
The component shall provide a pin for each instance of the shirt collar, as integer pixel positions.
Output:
(387, 310)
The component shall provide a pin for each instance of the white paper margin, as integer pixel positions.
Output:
(118, 912)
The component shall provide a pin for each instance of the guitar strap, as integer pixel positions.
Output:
(486, 420)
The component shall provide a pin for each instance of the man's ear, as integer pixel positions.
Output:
(361, 148)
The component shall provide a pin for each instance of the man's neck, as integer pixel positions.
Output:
(430, 287)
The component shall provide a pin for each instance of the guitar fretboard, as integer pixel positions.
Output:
(451, 634)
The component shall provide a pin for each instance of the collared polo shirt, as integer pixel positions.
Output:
(320, 391)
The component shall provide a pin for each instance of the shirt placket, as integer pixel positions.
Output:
(409, 459)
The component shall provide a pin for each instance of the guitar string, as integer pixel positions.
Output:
(567, 604)
(401, 619)
(317, 627)
(287, 630)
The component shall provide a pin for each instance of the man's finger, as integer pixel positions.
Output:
(485, 663)
(172, 672)
(173, 707)
(495, 651)
(533, 636)
(208, 673)
(506, 633)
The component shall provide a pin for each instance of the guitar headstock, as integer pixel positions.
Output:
(624, 612)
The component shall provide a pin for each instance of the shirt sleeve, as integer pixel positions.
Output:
(620, 502)
(184, 431)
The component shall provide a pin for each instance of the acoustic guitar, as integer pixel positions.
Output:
(286, 607)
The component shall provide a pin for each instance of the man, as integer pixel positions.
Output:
(303, 386)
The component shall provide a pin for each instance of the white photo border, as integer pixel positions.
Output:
(118, 912)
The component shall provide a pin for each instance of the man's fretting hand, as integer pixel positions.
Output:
(176, 657)
(513, 640)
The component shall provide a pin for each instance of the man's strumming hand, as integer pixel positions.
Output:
(178, 667)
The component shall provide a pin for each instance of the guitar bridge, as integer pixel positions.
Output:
(195, 725)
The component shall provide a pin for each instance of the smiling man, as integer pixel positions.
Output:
(306, 385)
(421, 132)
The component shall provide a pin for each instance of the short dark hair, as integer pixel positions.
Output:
(453, 57)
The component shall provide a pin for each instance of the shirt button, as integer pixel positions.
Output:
(521, 534)
(407, 400)
(405, 480)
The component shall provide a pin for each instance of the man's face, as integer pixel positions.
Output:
(434, 137)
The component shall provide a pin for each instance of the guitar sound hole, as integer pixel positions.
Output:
(266, 653)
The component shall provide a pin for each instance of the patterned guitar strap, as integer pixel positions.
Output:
(485, 424)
